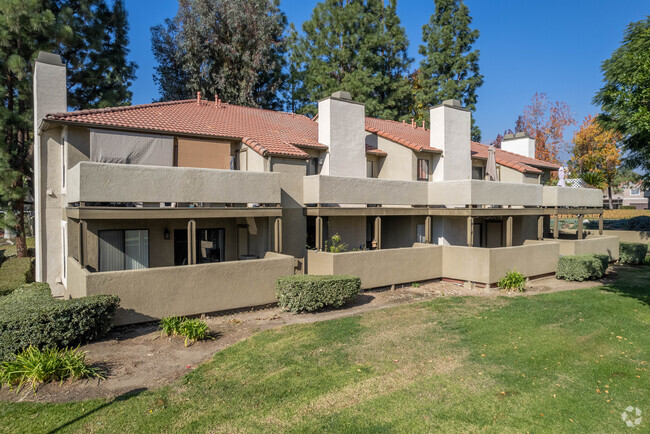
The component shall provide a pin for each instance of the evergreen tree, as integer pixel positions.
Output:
(233, 49)
(27, 27)
(358, 46)
(449, 68)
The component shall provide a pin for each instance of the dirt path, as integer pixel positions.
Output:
(137, 357)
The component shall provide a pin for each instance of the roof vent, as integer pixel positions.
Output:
(341, 94)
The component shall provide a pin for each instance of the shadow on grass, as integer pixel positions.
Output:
(633, 281)
(124, 397)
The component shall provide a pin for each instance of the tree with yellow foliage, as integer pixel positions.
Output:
(595, 151)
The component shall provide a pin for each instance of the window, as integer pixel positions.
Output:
(64, 253)
(210, 246)
(312, 167)
(635, 191)
(477, 172)
(370, 169)
(420, 236)
(423, 170)
(123, 250)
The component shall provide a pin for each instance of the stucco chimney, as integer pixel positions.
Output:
(519, 143)
(49, 97)
(341, 126)
(451, 131)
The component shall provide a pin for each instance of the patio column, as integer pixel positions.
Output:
(319, 233)
(600, 224)
(580, 227)
(540, 227)
(427, 230)
(378, 232)
(470, 231)
(81, 246)
(509, 231)
(191, 242)
(277, 235)
(556, 226)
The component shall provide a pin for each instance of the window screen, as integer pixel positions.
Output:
(123, 147)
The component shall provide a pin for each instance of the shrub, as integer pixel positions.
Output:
(513, 280)
(604, 260)
(42, 366)
(30, 316)
(191, 329)
(627, 207)
(171, 326)
(308, 293)
(15, 272)
(580, 267)
(632, 253)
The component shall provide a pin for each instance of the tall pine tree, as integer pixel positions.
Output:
(358, 46)
(27, 27)
(234, 49)
(449, 68)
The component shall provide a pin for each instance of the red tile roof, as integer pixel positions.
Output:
(267, 132)
(416, 138)
(374, 151)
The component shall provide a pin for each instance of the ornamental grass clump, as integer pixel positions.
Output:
(35, 366)
(513, 281)
(191, 329)
(309, 293)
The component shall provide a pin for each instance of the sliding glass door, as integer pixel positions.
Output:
(123, 250)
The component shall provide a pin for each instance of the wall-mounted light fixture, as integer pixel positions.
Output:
(166, 234)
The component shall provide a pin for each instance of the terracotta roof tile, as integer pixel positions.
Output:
(416, 138)
(267, 132)
(374, 151)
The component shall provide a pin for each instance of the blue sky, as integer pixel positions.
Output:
(526, 47)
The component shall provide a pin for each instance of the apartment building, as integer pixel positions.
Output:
(628, 194)
(195, 206)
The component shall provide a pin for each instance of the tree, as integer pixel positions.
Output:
(595, 150)
(625, 96)
(358, 46)
(545, 122)
(449, 68)
(233, 49)
(27, 27)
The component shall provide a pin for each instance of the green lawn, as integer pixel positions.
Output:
(568, 361)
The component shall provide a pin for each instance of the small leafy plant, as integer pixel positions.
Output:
(415, 285)
(513, 280)
(191, 329)
(336, 245)
(36, 366)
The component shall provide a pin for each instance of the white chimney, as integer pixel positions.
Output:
(50, 96)
(519, 143)
(342, 127)
(451, 127)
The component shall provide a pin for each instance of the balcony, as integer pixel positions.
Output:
(105, 182)
(320, 189)
(572, 197)
(475, 192)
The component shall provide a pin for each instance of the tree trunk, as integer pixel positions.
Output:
(609, 195)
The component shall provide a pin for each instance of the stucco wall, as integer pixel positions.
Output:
(450, 132)
(379, 268)
(339, 190)
(607, 245)
(398, 232)
(399, 164)
(352, 230)
(627, 236)
(294, 224)
(104, 182)
(53, 211)
(341, 126)
(155, 293)
(476, 192)
(572, 197)
(507, 174)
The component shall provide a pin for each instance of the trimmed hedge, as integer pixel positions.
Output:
(31, 316)
(632, 253)
(604, 259)
(581, 267)
(308, 293)
(15, 272)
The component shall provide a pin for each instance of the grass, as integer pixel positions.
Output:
(566, 361)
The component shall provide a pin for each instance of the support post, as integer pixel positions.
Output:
(427, 229)
(277, 231)
(83, 227)
(509, 231)
(319, 233)
(191, 242)
(556, 226)
(378, 232)
(470, 231)
(540, 227)
(600, 224)
(581, 232)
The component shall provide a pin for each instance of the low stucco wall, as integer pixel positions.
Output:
(478, 192)
(333, 189)
(572, 197)
(378, 268)
(105, 182)
(607, 245)
(490, 265)
(155, 293)
(628, 236)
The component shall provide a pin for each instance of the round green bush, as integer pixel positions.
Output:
(581, 267)
(309, 293)
(632, 253)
